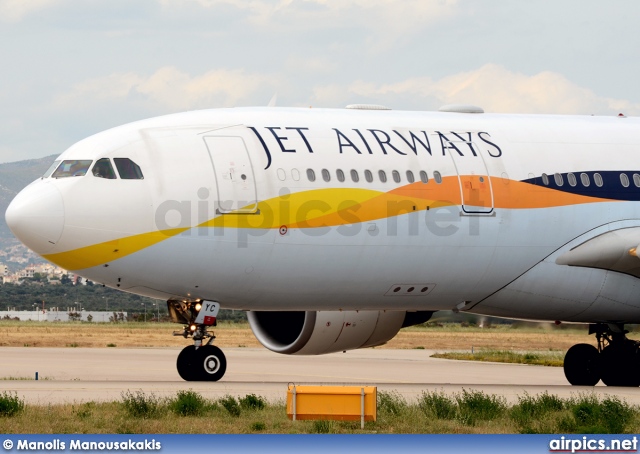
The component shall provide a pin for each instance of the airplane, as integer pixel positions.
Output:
(335, 228)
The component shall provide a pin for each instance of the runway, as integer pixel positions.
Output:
(103, 374)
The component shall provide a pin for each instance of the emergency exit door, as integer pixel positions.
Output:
(475, 185)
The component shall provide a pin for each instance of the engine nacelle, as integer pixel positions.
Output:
(316, 333)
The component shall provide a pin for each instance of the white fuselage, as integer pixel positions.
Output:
(227, 211)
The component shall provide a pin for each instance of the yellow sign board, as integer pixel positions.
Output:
(340, 403)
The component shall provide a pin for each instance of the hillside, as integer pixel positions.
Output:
(13, 177)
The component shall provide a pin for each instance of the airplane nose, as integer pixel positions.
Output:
(36, 216)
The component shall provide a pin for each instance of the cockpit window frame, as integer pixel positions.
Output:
(72, 168)
(104, 169)
(132, 173)
(52, 168)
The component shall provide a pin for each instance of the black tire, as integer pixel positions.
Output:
(620, 365)
(582, 365)
(211, 364)
(186, 363)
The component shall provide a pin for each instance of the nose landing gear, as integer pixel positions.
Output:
(198, 362)
(616, 360)
(201, 363)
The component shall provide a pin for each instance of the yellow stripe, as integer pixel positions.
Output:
(329, 207)
(98, 254)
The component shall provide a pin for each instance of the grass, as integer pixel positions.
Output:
(434, 412)
(432, 336)
(141, 405)
(32, 378)
(545, 358)
(121, 335)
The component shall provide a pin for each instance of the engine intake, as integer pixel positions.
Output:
(319, 332)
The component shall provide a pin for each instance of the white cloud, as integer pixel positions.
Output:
(15, 10)
(492, 87)
(311, 65)
(381, 16)
(169, 88)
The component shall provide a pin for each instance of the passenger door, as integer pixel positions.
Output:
(234, 174)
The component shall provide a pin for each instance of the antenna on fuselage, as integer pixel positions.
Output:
(274, 100)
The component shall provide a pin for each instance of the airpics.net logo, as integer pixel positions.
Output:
(317, 217)
(588, 444)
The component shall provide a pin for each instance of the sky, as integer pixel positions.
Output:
(72, 68)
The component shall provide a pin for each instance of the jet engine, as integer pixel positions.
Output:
(319, 332)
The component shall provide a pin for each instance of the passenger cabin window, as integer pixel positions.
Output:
(545, 179)
(368, 176)
(104, 169)
(636, 180)
(72, 168)
(326, 176)
(624, 180)
(340, 175)
(311, 175)
(584, 178)
(396, 176)
(571, 178)
(128, 169)
(50, 170)
(383, 176)
(558, 179)
(424, 177)
(597, 178)
(437, 176)
(410, 177)
(354, 176)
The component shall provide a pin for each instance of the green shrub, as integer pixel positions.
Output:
(590, 415)
(231, 405)
(188, 403)
(252, 402)
(258, 426)
(529, 408)
(616, 414)
(475, 405)
(141, 405)
(437, 404)
(391, 403)
(10, 404)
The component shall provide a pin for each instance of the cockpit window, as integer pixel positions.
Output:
(49, 171)
(72, 168)
(128, 169)
(104, 169)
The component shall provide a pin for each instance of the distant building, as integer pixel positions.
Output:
(65, 315)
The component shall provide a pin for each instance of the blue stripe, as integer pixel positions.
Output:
(611, 189)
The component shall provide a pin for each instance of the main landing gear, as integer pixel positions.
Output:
(616, 360)
(198, 362)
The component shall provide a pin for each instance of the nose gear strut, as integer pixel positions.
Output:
(198, 362)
